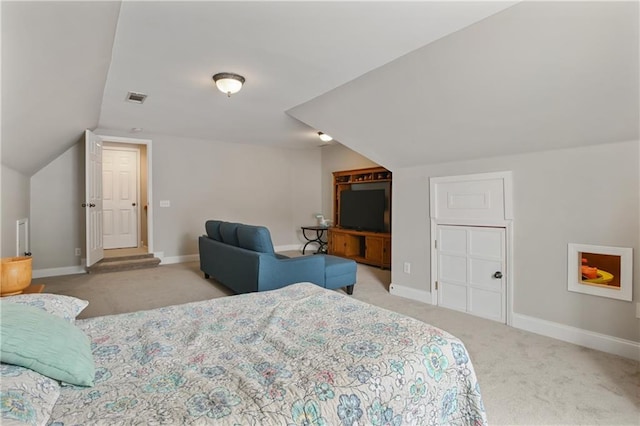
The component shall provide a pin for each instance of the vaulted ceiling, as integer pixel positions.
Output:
(403, 83)
(541, 75)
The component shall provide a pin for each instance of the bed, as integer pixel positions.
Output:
(300, 355)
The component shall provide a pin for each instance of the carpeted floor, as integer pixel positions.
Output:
(526, 379)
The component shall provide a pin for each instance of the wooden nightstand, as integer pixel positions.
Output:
(33, 288)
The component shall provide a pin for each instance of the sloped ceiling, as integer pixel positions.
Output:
(403, 83)
(67, 66)
(537, 76)
(55, 58)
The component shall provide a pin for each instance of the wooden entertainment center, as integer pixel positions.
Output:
(373, 248)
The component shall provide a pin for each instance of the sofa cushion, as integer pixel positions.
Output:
(339, 272)
(335, 265)
(213, 229)
(228, 232)
(256, 238)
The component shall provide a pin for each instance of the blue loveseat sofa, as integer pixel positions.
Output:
(242, 258)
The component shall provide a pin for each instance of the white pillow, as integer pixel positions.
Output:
(67, 307)
(27, 397)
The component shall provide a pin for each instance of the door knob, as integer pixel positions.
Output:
(92, 205)
(133, 204)
(497, 275)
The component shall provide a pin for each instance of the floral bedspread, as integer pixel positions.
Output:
(301, 355)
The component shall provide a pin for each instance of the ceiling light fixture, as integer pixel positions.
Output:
(324, 137)
(228, 82)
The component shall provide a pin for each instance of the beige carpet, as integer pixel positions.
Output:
(526, 379)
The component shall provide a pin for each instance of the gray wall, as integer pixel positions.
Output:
(587, 195)
(275, 187)
(537, 77)
(14, 205)
(278, 188)
(57, 215)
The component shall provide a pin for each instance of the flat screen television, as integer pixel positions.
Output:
(363, 210)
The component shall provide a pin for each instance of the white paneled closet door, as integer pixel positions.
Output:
(471, 268)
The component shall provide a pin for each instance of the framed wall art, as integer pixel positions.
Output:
(600, 271)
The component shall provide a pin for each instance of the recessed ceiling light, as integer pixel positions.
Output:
(136, 129)
(325, 137)
(136, 97)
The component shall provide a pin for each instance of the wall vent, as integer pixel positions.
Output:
(136, 97)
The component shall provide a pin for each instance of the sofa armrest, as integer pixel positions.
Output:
(276, 273)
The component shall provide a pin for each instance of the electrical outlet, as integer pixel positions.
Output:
(407, 267)
(78, 252)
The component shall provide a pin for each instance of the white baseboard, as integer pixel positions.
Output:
(566, 333)
(291, 247)
(578, 336)
(410, 293)
(55, 272)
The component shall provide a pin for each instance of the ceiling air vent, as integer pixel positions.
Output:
(136, 97)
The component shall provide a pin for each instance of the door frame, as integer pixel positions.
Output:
(107, 146)
(506, 221)
(147, 143)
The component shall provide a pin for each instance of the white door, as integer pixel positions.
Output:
(22, 244)
(471, 270)
(93, 197)
(120, 197)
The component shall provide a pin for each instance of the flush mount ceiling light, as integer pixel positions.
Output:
(324, 137)
(228, 82)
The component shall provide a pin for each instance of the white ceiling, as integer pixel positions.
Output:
(403, 83)
(55, 58)
(538, 76)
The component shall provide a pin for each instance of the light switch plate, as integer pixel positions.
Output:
(165, 203)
